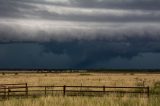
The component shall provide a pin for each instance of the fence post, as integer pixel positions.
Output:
(52, 90)
(104, 89)
(64, 90)
(148, 92)
(26, 90)
(8, 92)
(5, 91)
(45, 91)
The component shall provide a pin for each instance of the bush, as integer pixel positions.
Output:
(3, 73)
(15, 73)
(131, 73)
(156, 88)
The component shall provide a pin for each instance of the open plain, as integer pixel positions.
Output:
(84, 79)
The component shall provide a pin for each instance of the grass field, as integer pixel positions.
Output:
(93, 79)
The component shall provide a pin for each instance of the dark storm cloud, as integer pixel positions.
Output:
(82, 10)
(46, 31)
(80, 54)
(88, 53)
(30, 55)
(11, 8)
(79, 33)
(141, 61)
(123, 4)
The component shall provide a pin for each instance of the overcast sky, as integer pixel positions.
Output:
(80, 34)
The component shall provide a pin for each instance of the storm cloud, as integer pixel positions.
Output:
(79, 33)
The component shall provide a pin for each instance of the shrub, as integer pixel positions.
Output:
(15, 73)
(3, 73)
(156, 88)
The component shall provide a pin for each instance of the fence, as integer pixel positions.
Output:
(10, 90)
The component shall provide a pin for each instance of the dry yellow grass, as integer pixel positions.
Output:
(80, 101)
(97, 79)
(81, 78)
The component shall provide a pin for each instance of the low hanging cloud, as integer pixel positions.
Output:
(66, 20)
(79, 33)
(53, 20)
(80, 54)
(45, 31)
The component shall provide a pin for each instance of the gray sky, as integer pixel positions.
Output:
(79, 33)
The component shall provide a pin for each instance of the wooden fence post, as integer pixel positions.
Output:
(52, 90)
(64, 90)
(45, 90)
(5, 91)
(148, 92)
(26, 90)
(8, 92)
(104, 89)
